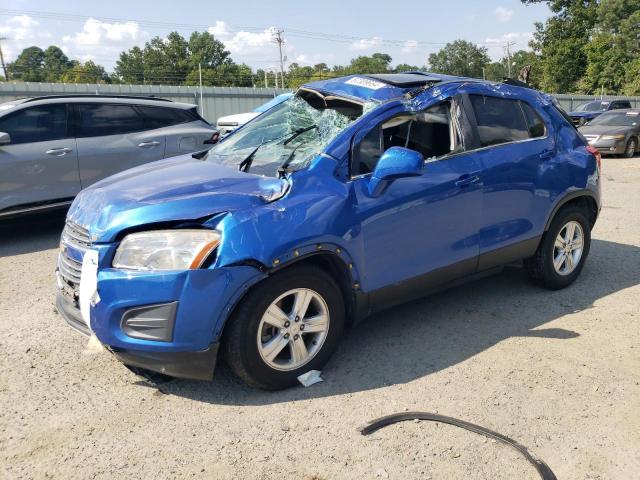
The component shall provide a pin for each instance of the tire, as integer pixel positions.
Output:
(246, 352)
(630, 148)
(540, 266)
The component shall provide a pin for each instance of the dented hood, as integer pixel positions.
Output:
(179, 188)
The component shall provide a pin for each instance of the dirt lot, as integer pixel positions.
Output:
(558, 371)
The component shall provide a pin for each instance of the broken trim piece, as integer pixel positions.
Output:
(541, 467)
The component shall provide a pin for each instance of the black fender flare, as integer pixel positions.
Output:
(584, 192)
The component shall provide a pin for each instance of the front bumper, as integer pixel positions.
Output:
(203, 300)
(198, 365)
(610, 147)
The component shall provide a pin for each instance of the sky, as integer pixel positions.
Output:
(331, 31)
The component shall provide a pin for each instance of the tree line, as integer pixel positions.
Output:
(586, 46)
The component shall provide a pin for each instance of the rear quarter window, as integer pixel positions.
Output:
(499, 120)
(158, 117)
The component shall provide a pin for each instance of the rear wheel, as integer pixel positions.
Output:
(287, 325)
(564, 249)
(630, 149)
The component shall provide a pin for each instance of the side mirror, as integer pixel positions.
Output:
(5, 138)
(397, 162)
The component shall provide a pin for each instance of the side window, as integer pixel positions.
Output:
(536, 125)
(158, 117)
(428, 132)
(102, 119)
(499, 120)
(36, 124)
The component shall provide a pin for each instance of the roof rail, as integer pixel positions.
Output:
(89, 95)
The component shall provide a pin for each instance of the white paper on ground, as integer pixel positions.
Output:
(93, 346)
(310, 378)
(88, 283)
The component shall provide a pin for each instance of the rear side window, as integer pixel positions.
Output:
(36, 124)
(534, 122)
(102, 119)
(499, 120)
(621, 105)
(158, 117)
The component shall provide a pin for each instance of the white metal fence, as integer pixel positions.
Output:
(216, 101)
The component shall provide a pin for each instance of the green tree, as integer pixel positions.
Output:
(87, 72)
(405, 67)
(561, 41)
(459, 58)
(205, 50)
(376, 63)
(130, 66)
(29, 66)
(55, 64)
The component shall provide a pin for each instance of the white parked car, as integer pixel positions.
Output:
(228, 124)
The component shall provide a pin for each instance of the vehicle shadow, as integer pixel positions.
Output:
(30, 234)
(414, 340)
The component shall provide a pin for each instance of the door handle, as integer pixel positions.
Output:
(148, 144)
(467, 179)
(547, 154)
(58, 152)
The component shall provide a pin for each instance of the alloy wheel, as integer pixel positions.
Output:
(568, 247)
(293, 329)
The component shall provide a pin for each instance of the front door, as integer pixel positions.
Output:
(40, 163)
(422, 231)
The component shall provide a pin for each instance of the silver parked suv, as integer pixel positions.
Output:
(52, 147)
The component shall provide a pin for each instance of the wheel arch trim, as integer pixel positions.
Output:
(585, 193)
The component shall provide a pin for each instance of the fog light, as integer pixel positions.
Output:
(151, 322)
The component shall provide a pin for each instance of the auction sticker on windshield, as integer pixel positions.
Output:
(366, 83)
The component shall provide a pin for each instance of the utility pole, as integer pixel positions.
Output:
(279, 39)
(201, 103)
(507, 47)
(266, 85)
(4, 67)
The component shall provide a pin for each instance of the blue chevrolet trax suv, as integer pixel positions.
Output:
(356, 194)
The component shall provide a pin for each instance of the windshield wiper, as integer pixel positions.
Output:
(298, 132)
(245, 164)
(284, 168)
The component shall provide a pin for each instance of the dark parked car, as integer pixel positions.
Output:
(590, 110)
(53, 147)
(614, 132)
(356, 194)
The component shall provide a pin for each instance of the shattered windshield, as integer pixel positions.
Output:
(288, 136)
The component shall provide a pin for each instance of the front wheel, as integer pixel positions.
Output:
(563, 250)
(287, 325)
(631, 148)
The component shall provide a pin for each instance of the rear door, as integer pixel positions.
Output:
(513, 148)
(40, 163)
(112, 137)
(184, 130)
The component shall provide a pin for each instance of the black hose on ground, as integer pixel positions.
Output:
(542, 468)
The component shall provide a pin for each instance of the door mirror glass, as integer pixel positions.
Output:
(5, 138)
(396, 162)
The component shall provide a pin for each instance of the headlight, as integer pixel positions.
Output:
(613, 137)
(166, 249)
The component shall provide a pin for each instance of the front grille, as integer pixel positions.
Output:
(69, 269)
(77, 235)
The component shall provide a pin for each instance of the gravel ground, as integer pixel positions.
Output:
(557, 371)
